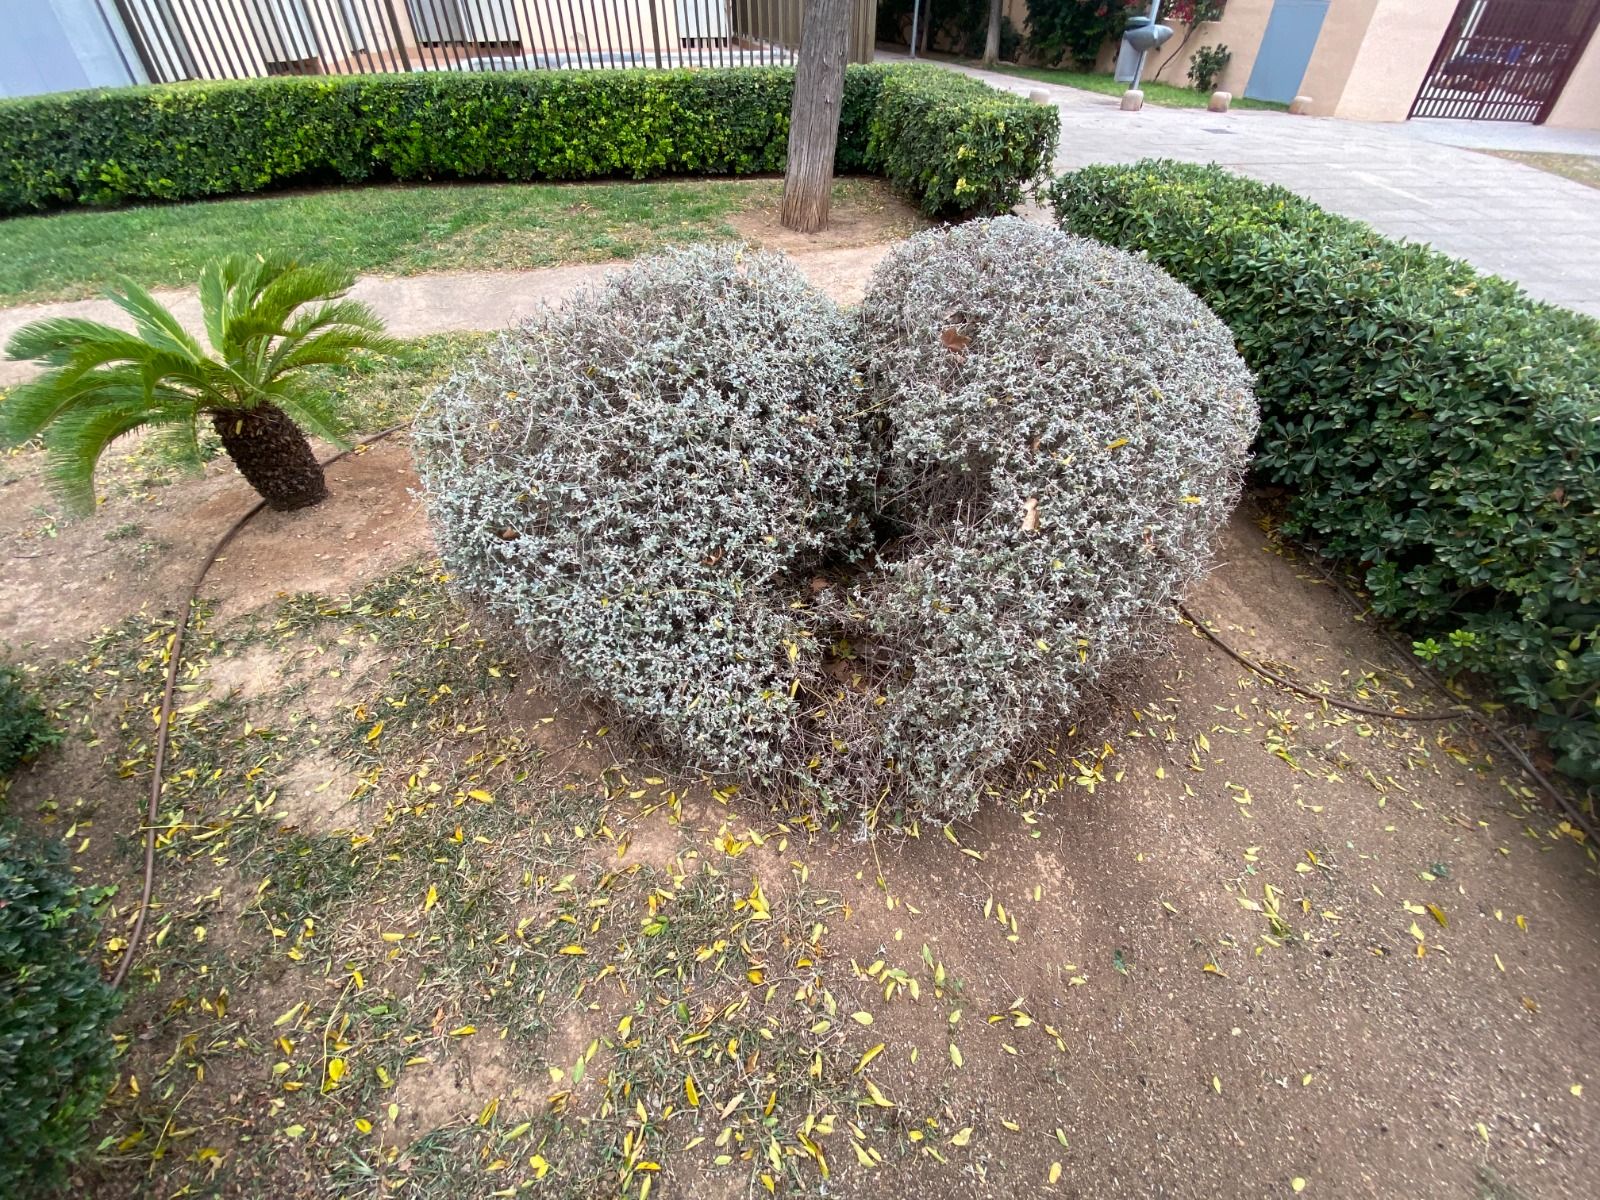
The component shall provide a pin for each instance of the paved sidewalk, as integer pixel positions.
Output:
(1406, 180)
(413, 305)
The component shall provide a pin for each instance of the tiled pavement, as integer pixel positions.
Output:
(1405, 179)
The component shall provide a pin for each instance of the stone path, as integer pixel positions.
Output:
(1407, 179)
(414, 305)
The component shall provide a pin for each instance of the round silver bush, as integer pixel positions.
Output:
(1063, 427)
(632, 480)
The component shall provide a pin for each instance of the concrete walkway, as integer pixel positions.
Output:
(414, 305)
(1414, 179)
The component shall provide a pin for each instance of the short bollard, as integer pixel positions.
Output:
(1219, 101)
(1132, 100)
(1300, 106)
(1038, 97)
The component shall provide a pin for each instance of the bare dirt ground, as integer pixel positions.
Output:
(426, 928)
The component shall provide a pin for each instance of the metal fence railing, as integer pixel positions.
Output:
(1506, 60)
(235, 39)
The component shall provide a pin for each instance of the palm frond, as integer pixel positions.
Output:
(31, 407)
(331, 348)
(155, 322)
(75, 442)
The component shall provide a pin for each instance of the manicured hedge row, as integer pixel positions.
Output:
(957, 144)
(1436, 426)
(185, 141)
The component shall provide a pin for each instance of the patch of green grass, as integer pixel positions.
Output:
(1165, 94)
(401, 230)
(1580, 168)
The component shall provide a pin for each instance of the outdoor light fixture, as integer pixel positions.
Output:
(1142, 36)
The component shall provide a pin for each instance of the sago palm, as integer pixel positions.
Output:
(101, 382)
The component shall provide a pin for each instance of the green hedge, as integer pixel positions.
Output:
(185, 141)
(56, 1054)
(25, 727)
(1437, 427)
(957, 144)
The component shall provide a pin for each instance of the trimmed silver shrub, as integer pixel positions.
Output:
(1063, 428)
(873, 558)
(634, 480)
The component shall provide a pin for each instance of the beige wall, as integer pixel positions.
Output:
(1372, 55)
(1579, 106)
(1239, 30)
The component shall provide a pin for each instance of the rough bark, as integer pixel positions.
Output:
(991, 43)
(814, 117)
(272, 454)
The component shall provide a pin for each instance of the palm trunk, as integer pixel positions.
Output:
(272, 454)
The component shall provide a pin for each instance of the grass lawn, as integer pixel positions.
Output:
(400, 230)
(1582, 168)
(1164, 94)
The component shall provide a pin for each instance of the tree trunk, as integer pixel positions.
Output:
(991, 44)
(272, 454)
(814, 117)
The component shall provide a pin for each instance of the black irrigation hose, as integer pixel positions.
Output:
(1456, 712)
(175, 655)
(164, 721)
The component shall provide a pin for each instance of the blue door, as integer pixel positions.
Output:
(1286, 47)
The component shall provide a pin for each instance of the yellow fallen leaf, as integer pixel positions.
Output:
(1576, 1089)
(690, 1092)
(464, 1031)
(955, 1054)
(480, 794)
(431, 898)
(374, 732)
(1216, 1085)
(861, 1018)
(1298, 1184)
(336, 1069)
(868, 1057)
(878, 1097)
(962, 1137)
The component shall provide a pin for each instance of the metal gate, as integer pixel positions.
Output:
(1506, 60)
(231, 39)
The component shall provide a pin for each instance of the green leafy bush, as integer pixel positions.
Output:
(55, 1053)
(1208, 63)
(1076, 29)
(25, 729)
(189, 140)
(1437, 428)
(956, 144)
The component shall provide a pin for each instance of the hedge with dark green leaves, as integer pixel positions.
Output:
(56, 1053)
(958, 145)
(1437, 428)
(25, 727)
(191, 140)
